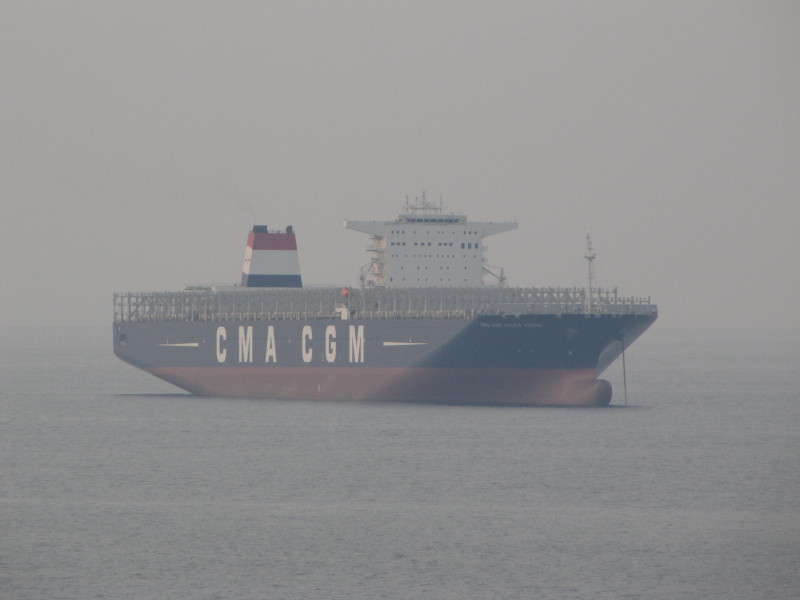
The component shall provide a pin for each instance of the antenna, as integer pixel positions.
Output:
(422, 205)
(588, 304)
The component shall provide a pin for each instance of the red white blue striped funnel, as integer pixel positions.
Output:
(271, 260)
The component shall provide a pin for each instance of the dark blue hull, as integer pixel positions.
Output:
(490, 359)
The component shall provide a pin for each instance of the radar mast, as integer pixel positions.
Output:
(423, 205)
(588, 303)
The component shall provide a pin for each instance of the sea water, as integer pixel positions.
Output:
(114, 484)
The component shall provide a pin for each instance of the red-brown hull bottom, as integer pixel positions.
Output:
(491, 386)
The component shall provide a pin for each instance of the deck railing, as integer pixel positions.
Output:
(241, 304)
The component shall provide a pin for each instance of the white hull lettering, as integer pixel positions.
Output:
(272, 354)
(306, 337)
(327, 344)
(356, 343)
(245, 343)
(330, 343)
(222, 335)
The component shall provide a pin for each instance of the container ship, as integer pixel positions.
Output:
(429, 321)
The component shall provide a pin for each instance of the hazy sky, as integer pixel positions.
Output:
(137, 139)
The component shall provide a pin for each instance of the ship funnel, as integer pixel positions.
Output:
(270, 259)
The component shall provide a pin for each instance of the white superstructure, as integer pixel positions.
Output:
(424, 247)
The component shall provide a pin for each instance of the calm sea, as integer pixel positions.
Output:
(116, 485)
